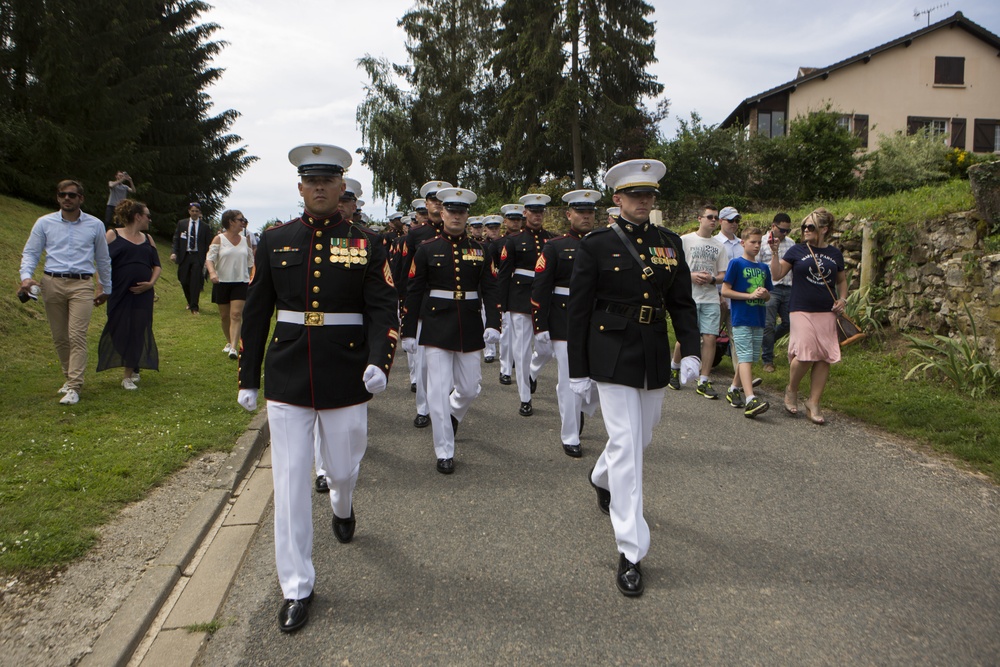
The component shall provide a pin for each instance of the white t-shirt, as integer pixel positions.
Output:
(704, 255)
(232, 262)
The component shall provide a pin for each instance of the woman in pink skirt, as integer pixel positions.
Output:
(819, 294)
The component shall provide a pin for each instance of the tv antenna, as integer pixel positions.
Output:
(918, 12)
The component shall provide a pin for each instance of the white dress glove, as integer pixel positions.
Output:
(375, 379)
(581, 387)
(410, 345)
(248, 399)
(491, 336)
(543, 343)
(690, 369)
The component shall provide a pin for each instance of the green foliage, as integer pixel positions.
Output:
(118, 86)
(959, 360)
(865, 308)
(905, 162)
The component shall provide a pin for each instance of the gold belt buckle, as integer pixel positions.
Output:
(313, 319)
(645, 314)
(459, 296)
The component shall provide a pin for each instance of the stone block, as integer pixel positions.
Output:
(174, 647)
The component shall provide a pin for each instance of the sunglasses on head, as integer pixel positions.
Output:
(70, 195)
(809, 227)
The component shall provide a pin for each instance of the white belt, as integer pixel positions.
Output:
(315, 319)
(561, 291)
(456, 296)
(528, 273)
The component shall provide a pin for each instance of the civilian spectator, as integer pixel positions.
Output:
(191, 239)
(120, 189)
(229, 261)
(777, 306)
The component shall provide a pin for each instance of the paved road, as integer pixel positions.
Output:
(773, 542)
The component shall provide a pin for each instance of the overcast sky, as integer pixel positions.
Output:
(291, 67)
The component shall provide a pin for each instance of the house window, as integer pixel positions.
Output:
(986, 135)
(771, 123)
(949, 71)
(935, 127)
(856, 124)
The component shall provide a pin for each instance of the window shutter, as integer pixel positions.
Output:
(958, 133)
(949, 70)
(861, 129)
(982, 135)
(913, 124)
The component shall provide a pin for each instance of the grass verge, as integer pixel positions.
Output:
(65, 470)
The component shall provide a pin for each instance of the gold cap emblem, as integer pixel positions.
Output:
(316, 150)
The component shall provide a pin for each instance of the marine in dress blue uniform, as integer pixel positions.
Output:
(330, 351)
(549, 298)
(516, 272)
(618, 339)
(491, 236)
(451, 279)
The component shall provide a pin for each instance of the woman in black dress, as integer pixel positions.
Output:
(127, 340)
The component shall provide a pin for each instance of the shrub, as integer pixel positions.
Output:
(958, 359)
(904, 162)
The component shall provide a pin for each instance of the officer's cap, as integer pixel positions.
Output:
(319, 159)
(583, 200)
(430, 188)
(352, 190)
(476, 221)
(395, 215)
(361, 203)
(512, 210)
(419, 205)
(492, 220)
(636, 176)
(614, 211)
(365, 219)
(535, 202)
(456, 199)
(405, 219)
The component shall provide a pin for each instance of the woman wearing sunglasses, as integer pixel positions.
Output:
(229, 261)
(819, 294)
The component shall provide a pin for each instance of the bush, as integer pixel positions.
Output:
(904, 162)
(959, 360)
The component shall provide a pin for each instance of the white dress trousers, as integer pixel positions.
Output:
(343, 436)
(490, 351)
(453, 383)
(570, 404)
(521, 347)
(420, 365)
(506, 360)
(629, 417)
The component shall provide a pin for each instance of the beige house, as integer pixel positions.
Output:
(945, 77)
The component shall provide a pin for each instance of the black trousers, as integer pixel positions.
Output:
(191, 276)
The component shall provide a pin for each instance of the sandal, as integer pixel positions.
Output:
(791, 407)
(814, 416)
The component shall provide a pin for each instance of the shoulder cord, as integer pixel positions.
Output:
(646, 269)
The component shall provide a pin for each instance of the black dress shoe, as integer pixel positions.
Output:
(629, 577)
(421, 421)
(573, 450)
(446, 466)
(343, 529)
(294, 614)
(454, 425)
(525, 410)
(532, 385)
(413, 387)
(322, 486)
(504, 379)
(603, 495)
(489, 360)
(581, 424)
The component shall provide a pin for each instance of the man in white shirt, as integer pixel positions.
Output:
(707, 259)
(75, 249)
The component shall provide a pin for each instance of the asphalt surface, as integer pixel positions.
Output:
(774, 541)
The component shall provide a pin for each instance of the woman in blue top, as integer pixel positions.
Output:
(819, 294)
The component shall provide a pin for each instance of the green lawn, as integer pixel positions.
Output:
(64, 470)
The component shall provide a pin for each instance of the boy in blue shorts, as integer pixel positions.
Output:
(748, 286)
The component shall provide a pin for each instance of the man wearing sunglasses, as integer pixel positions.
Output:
(190, 250)
(776, 242)
(75, 249)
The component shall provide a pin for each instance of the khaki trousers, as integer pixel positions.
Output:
(68, 305)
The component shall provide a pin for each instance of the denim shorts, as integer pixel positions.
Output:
(747, 341)
(709, 318)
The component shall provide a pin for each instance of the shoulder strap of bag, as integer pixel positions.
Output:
(819, 268)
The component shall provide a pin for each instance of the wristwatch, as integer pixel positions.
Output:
(713, 280)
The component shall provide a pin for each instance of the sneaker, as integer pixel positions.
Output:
(735, 397)
(675, 379)
(127, 383)
(756, 382)
(705, 389)
(135, 376)
(755, 407)
(63, 389)
(71, 397)
(234, 354)
(227, 349)
(769, 368)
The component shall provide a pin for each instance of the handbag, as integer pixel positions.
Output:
(848, 332)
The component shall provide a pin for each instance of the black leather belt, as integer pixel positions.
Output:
(71, 276)
(641, 314)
